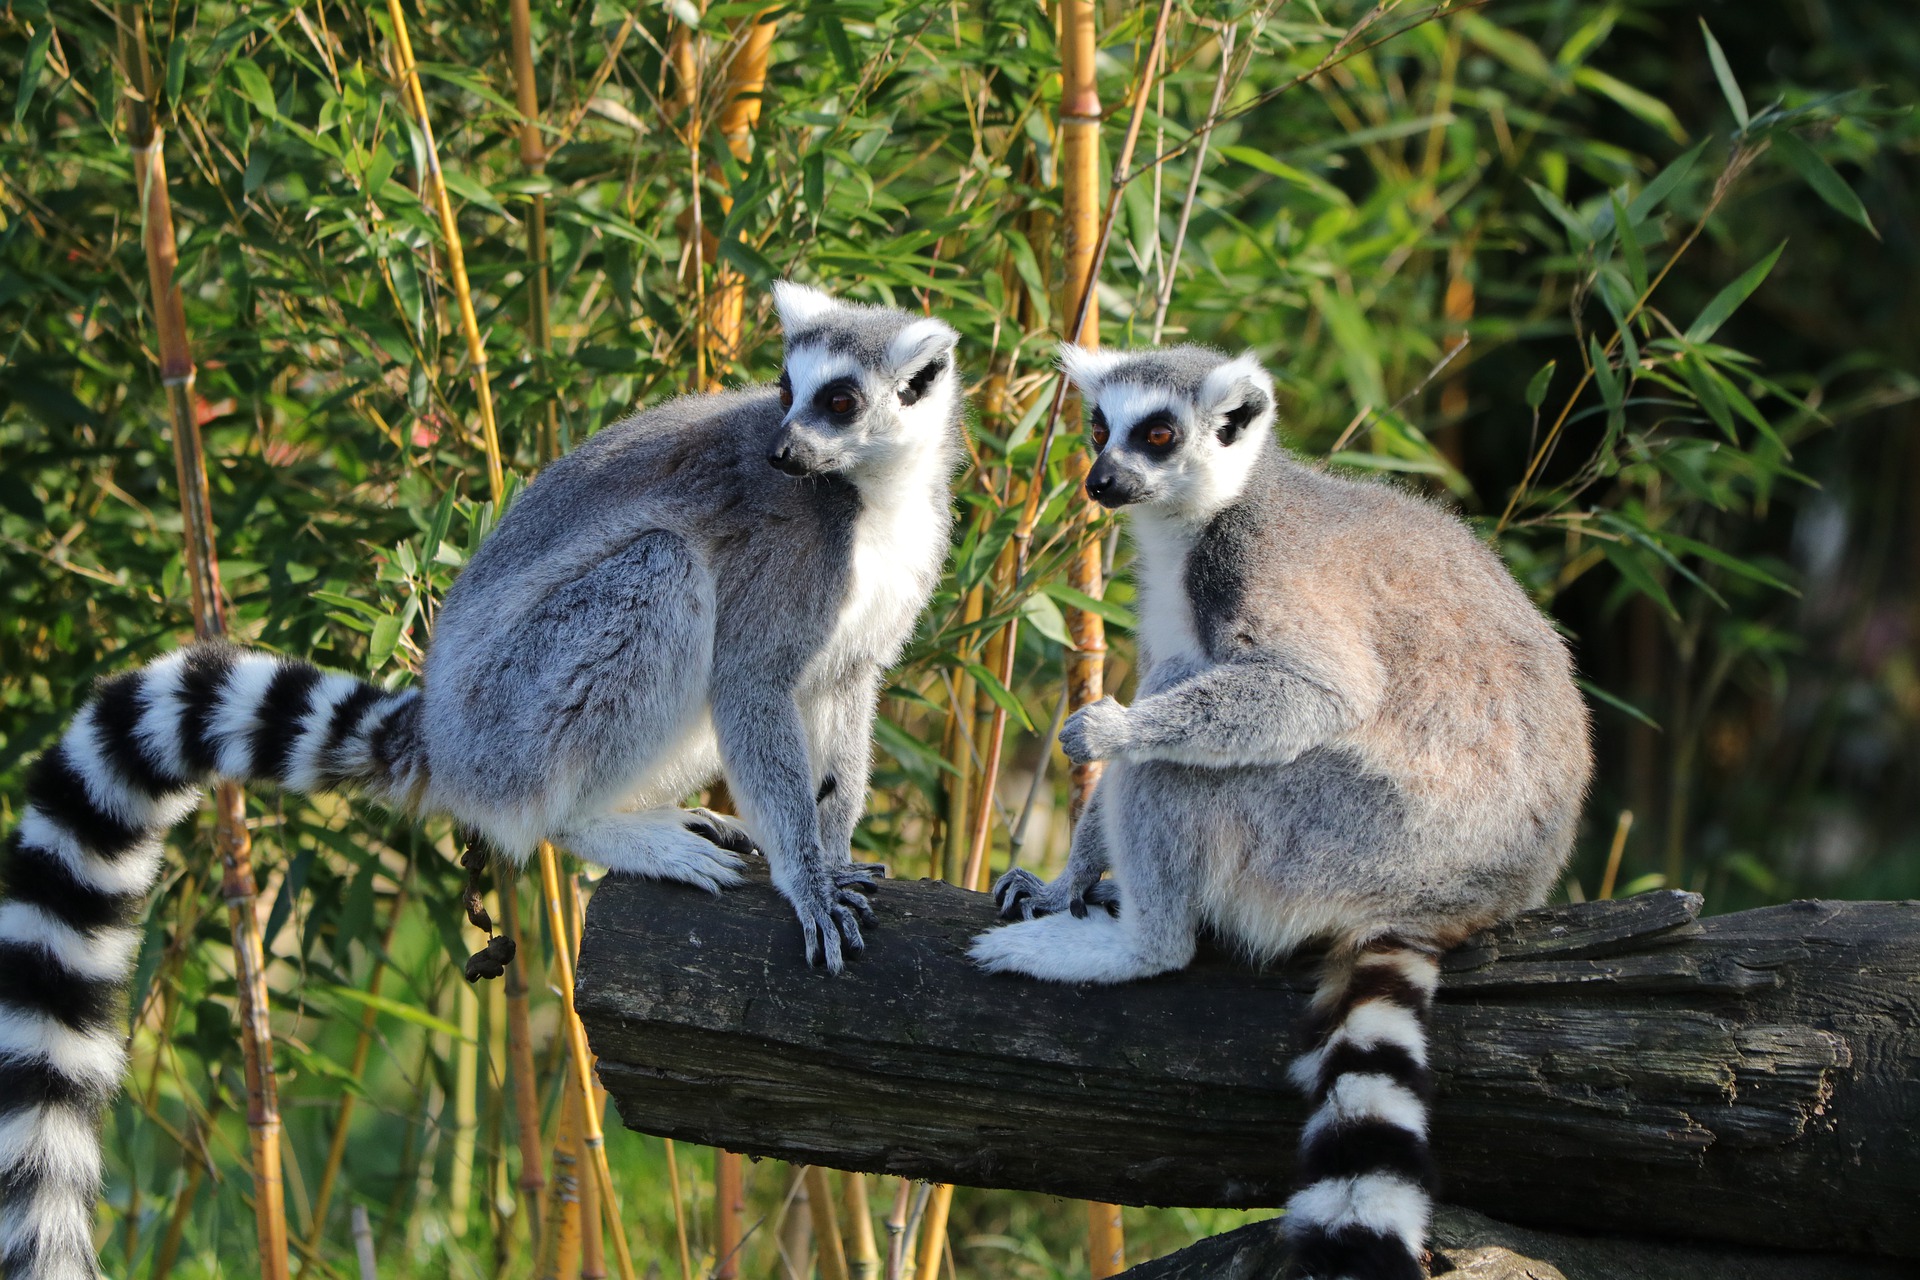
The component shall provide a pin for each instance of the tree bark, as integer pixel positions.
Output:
(1614, 1066)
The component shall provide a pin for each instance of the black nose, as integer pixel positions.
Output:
(1099, 486)
(782, 459)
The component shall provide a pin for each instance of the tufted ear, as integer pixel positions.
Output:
(919, 354)
(799, 305)
(1235, 396)
(1086, 368)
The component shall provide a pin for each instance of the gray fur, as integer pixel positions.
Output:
(663, 608)
(1352, 723)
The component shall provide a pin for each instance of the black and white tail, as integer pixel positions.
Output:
(1362, 1209)
(80, 863)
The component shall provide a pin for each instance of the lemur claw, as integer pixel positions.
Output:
(1101, 893)
(832, 930)
(1014, 893)
(860, 876)
(727, 833)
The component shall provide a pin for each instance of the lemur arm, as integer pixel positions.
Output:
(846, 760)
(1261, 708)
(763, 746)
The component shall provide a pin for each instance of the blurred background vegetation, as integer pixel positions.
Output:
(1631, 291)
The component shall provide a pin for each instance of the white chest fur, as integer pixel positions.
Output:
(899, 542)
(1164, 609)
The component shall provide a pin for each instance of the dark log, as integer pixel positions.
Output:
(1612, 1067)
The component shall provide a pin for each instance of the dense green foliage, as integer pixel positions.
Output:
(1690, 351)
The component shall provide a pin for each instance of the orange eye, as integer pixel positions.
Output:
(1099, 430)
(841, 404)
(786, 393)
(1159, 437)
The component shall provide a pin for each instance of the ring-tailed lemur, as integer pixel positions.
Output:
(711, 587)
(1352, 728)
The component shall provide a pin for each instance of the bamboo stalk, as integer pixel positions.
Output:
(739, 112)
(232, 841)
(533, 156)
(933, 1233)
(679, 1211)
(729, 1213)
(592, 1138)
(526, 1086)
(830, 1245)
(559, 1253)
(466, 1114)
(1106, 1241)
(897, 1242)
(863, 1256)
(593, 1216)
(456, 256)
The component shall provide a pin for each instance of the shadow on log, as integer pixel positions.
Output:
(1612, 1067)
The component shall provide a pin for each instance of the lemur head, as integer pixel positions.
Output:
(866, 389)
(1176, 429)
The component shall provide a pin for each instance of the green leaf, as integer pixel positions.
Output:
(1655, 193)
(1618, 703)
(1644, 105)
(1044, 616)
(1627, 235)
(30, 68)
(1822, 177)
(1537, 388)
(255, 86)
(442, 520)
(1728, 300)
(1724, 74)
(404, 1012)
(999, 693)
(176, 70)
(386, 638)
(1254, 158)
(1080, 600)
(1579, 233)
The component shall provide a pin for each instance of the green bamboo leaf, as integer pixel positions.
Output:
(254, 86)
(1728, 300)
(31, 68)
(999, 693)
(1644, 105)
(1044, 616)
(1537, 388)
(404, 1012)
(1579, 231)
(1724, 74)
(1823, 178)
(1618, 703)
(1655, 193)
(1080, 600)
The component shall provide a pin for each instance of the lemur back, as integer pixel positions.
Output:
(689, 595)
(1352, 730)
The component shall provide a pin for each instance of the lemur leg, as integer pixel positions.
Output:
(1151, 838)
(662, 844)
(1022, 895)
(763, 744)
(843, 756)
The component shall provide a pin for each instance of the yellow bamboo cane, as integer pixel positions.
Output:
(232, 840)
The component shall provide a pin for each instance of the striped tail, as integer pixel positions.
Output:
(1366, 1176)
(78, 868)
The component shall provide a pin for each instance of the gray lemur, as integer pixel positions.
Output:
(1352, 728)
(712, 587)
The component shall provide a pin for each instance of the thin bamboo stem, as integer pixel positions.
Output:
(232, 841)
(466, 1113)
(863, 1256)
(933, 1233)
(533, 156)
(456, 256)
(746, 80)
(1615, 853)
(829, 1244)
(1106, 1241)
(592, 1138)
(679, 1211)
(559, 1252)
(526, 1084)
(729, 1213)
(897, 1217)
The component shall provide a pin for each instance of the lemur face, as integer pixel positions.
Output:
(865, 389)
(1176, 430)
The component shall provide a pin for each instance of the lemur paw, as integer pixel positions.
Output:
(1101, 893)
(832, 927)
(719, 829)
(1097, 731)
(860, 876)
(1014, 892)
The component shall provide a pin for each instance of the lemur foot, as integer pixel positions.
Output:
(661, 844)
(721, 830)
(1021, 895)
(861, 877)
(832, 927)
(1063, 948)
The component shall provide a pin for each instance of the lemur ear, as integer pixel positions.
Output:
(799, 305)
(918, 355)
(1236, 395)
(1085, 368)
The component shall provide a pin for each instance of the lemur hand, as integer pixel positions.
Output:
(831, 909)
(1098, 731)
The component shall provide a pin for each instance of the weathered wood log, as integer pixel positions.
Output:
(1621, 1067)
